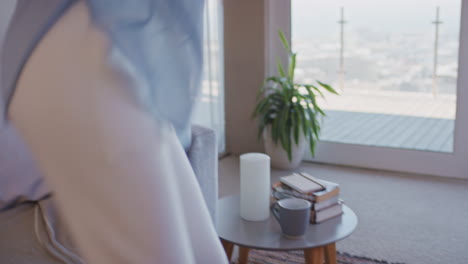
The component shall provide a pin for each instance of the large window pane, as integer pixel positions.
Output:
(394, 62)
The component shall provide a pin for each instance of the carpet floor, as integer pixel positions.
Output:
(406, 218)
(297, 257)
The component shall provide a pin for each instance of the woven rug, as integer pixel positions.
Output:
(297, 257)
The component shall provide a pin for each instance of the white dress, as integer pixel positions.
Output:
(121, 180)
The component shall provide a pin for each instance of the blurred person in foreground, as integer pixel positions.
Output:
(102, 93)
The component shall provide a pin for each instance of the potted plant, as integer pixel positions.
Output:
(288, 114)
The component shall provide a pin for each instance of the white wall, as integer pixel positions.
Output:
(244, 67)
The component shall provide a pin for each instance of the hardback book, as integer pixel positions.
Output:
(331, 190)
(335, 210)
(324, 204)
(315, 206)
(281, 191)
(302, 183)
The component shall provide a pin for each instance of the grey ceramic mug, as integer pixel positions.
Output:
(293, 215)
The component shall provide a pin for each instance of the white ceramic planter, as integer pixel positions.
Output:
(279, 156)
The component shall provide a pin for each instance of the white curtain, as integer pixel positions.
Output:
(209, 110)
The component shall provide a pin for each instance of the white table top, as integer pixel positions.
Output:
(267, 234)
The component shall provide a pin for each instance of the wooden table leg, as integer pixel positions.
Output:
(228, 247)
(314, 255)
(243, 255)
(330, 254)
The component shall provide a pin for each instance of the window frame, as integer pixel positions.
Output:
(278, 16)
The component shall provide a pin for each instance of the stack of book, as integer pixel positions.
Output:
(323, 195)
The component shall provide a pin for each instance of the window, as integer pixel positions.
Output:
(209, 110)
(394, 62)
(307, 19)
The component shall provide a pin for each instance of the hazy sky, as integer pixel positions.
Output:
(406, 16)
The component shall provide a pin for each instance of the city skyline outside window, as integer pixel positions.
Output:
(388, 45)
(395, 58)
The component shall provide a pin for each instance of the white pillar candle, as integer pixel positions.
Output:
(255, 186)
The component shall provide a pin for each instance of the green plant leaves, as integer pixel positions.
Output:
(292, 66)
(312, 143)
(280, 68)
(296, 124)
(285, 131)
(284, 41)
(327, 87)
(286, 110)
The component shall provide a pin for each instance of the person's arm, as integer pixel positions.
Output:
(121, 179)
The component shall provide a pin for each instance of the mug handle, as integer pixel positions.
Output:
(275, 210)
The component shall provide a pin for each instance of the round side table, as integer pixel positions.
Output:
(318, 243)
